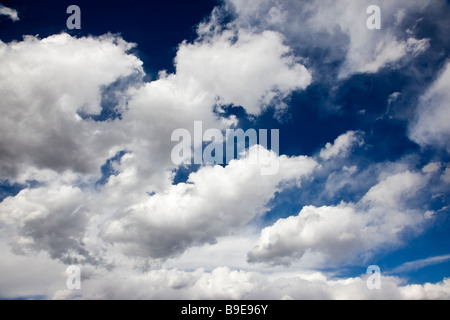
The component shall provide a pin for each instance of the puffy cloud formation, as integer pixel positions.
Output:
(225, 283)
(244, 69)
(99, 190)
(52, 90)
(342, 233)
(50, 219)
(214, 202)
(339, 27)
(44, 84)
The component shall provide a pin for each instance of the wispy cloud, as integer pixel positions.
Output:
(11, 13)
(422, 263)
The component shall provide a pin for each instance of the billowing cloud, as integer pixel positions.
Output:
(53, 87)
(44, 84)
(245, 69)
(225, 283)
(132, 228)
(51, 219)
(339, 27)
(422, 263)
(214, 202)
(344, 232)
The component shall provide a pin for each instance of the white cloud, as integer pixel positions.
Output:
(242, 68)
(446, 176)
(225, 283)
(28, 276)
(389, 52)
(235, 70)
(432, 167)
(10, 13)
(340, 27)
(428, 291)
(42, 277)
(345, 232)
(210, 205)
(43, 84)
(46, 82)
(395, 189)
(52, 219)
(122, 230)
(422, 263)
(430, 126)
(342, 145)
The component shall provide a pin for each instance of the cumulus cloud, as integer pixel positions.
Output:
(53, 87)
(244, 69)
(430, 125)
(217, 69)
(51, 219)
(338, 27)
(47, 279)
(44, 83)
(225, 283)
(10, 13)
(209, 205)
(446, 176)
(28, 276)
(135, 220)
(344, 232)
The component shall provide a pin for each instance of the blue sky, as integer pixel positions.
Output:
(86, 176)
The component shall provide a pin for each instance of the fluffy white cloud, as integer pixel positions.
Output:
(42, 277)
(137, 220)
(216, 69)
(226, 283)
(44, 83)
(342, 145)
(28, 276)
(10, 13)
(52, 219)
(337, 26)
(242, 68)
(428, 291)
(347, 231)
(213, 202)
(430, 126)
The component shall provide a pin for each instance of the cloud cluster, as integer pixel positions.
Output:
(339, 28)
(347, 231)
(52, 90)
(44, 84)
(226, 283)
(132, 228)
(214, 202)
(244, 69)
